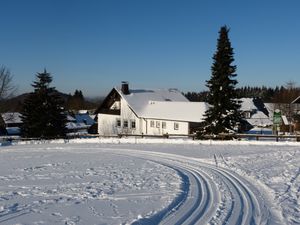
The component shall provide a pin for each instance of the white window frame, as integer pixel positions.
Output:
(176, 126)
(151, 123)
(157, 124)
(125, 122)
(118, 122)
(131, 124)
(163, 125)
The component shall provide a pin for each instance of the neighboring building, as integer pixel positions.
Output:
(290, 115)
(148, 112)
(296, 114)
(79, 124)
(84, 117)
(296, 106)
(12, 123)
(255, 113)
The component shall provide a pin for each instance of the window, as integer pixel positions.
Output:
(163, 125)
(176, 126)
(151, 123)
(125, 123)
(247, 115)
(132, 124)
(118, 123)
(157, 124)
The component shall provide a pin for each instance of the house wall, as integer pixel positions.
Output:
(109, 124)
(155, 127)
(128, 115)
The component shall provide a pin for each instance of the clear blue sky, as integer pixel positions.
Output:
(93, 45)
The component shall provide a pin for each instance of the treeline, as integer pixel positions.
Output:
(78, 102)
(72, 102)
(282, 94)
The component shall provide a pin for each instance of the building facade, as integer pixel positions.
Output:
(148, 112)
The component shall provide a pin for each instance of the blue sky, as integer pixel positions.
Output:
(93, 45)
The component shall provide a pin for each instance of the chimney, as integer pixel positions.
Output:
(125, 88)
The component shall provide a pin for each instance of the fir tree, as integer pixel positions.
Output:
(42, 113)
(223, 115)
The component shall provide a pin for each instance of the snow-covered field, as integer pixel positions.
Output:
(150, 181)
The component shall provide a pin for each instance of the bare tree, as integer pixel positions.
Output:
(6, 86)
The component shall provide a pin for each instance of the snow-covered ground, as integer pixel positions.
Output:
(150, 181)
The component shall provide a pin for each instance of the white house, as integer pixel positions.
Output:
(148, 112)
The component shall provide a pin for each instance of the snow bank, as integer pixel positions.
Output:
(138, 140)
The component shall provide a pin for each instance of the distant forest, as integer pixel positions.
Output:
(73, 102)
(282, 94)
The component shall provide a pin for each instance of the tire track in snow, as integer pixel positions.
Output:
(203, 199)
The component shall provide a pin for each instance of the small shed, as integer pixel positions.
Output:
(12, 123)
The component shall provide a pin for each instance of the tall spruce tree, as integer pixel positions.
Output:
(223, 114)
(42, 113)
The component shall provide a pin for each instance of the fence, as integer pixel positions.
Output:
(224, 136)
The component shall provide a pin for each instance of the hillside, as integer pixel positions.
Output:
(15, 104)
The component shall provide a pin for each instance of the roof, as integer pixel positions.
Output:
(260, 119)
(247, 104)
(259, 110)
(180, 111)
(270, 108)
(70, 118)
(167, 104)
(84, 118)
(76, 126)
(296, 101)
(139, 98)
(11, 117)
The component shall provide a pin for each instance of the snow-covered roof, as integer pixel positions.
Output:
(270, 107)
(76, 126)
(180, 111)
(84, 118)
(167, 104)
(139, 98)
(70, 118)
(260, 119)
(285, 120)
(83, 111)
(11, 117)
(296, 101)
(247, 104)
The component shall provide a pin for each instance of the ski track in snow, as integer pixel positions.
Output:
(203, 203)
(195, 192)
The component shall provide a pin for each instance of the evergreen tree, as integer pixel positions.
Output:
(223, 115)
(42, 112)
